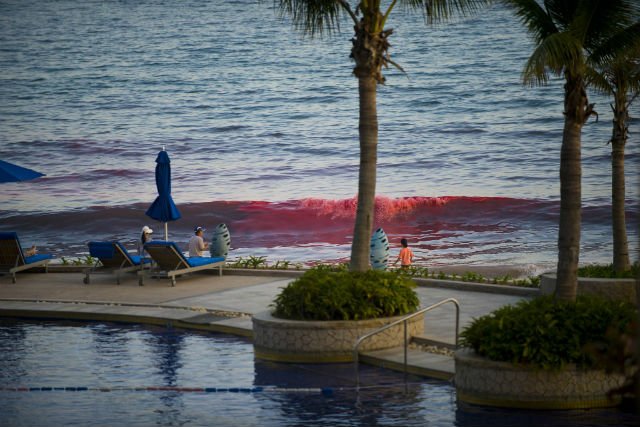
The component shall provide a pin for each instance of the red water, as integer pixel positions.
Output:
(488, 230)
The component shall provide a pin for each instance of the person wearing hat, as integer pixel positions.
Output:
(144, 238)
(197, 245)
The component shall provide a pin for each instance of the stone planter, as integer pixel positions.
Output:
(484, 382)
(618, 289)
(324, 341)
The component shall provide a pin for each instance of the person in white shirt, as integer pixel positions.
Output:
(197, 245)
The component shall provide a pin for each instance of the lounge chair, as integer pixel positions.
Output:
(113, 258)
(13, 259)
(170, 262)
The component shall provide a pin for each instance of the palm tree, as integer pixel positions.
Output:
(370, 52)
(619, 75)
(566, 32)
(620, 78)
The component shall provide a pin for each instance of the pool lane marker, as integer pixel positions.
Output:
(324, 390)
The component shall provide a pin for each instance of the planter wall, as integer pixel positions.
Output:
(619, 289)
(485, 382)
(324, 341)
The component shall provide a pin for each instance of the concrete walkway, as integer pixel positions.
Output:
(225, 304)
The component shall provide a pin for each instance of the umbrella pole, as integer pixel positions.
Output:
(166, 231)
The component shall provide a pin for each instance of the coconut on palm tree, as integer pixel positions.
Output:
(566, 33)
(370, 52)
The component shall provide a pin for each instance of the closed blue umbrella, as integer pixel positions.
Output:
(14, 173)
(163, 209)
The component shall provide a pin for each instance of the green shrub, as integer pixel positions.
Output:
(548, 333)
(324, 294)
(528, 282)
(470, 276)
(607, 271)
(343, 266)
(86, 260)
(281, 265)
(414, 271)
(251, 262)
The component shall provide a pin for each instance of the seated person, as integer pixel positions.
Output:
(197, 245)
(145, 237)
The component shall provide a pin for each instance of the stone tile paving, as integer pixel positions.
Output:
(249, 299)
(440, 322)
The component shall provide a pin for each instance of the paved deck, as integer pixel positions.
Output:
(225, 304)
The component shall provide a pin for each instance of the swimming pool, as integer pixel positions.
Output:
(76, 373)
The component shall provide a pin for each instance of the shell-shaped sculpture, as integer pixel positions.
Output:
(220, 241)
(379, 250)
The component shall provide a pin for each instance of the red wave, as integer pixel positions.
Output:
(386, 208)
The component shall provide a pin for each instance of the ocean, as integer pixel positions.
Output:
(261, 124)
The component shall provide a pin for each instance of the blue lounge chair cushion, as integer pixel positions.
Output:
(8, 235)
(13, 259)
(190, 261)
(37, 257)
(107, 251)
(197, 261)
(102, 250)
(137, 259)
(171, 262)
(12, 235)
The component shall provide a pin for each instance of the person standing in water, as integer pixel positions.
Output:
(405, 256)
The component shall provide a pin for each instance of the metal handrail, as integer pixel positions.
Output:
(403, 320)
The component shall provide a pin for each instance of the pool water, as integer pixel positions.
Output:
(213, 380)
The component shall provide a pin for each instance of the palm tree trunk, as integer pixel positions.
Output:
(570, 191)
(368, 129)
(618, 139)
(637, 349)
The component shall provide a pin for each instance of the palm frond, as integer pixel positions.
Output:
(624, 72)
(634, 76)
(314, 16)
(623, 43)
(556, 53)
(599, 80)
(597, 20)
(539, 23)
(617, 62)
(436, 11)
(563, 12)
